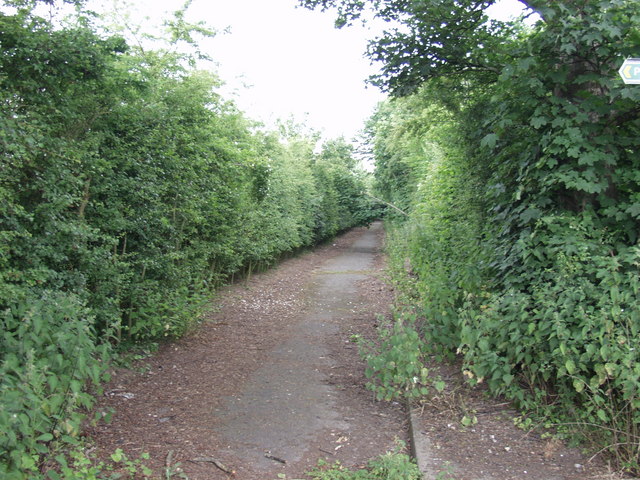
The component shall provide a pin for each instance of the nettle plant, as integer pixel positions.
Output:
(396, 367)
(50, 354)
(567, 345)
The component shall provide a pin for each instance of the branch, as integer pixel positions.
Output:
(535, 6)
(85, 198)
(387, 203)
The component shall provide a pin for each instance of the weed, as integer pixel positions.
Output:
(78, 465)
(447, 472)
(396, 368)
(390, 466)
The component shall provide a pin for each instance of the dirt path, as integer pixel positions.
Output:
(273, 371)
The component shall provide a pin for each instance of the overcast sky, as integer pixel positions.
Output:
(279, 60)
(292, 61)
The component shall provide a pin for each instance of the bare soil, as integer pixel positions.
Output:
(493, 447)
(191, 405)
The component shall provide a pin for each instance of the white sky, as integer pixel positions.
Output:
(280, 61)
(294, 62)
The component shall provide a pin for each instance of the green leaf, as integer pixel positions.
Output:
(537, 122)
(634, 210)
(530, 214)
(117, 456)
(469, 420)
(602, 415)
(578, 385)
(45, 437)
(570, 366)
(489, 141)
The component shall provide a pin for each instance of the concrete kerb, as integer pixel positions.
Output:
(420, 444)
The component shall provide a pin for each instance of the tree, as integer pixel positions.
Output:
(428, 39)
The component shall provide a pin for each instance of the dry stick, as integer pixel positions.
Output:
(387, 203)
(217, 463)
(277, 459)
(605, 448)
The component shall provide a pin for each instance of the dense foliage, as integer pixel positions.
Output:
(515, 151)
(129, 190)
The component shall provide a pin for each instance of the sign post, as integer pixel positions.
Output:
(630, 71)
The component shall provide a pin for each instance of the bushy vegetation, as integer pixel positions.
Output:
(514, 150)
(129, 189)
(393, 465)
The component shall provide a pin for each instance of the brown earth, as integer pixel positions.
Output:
(492, 447)
(191, 405)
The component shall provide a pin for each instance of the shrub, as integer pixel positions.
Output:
(50, 357)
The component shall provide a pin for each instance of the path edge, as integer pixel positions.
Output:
(420, 444)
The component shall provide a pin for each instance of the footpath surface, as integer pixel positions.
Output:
(272, 381)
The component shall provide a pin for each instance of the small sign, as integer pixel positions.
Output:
(630, 71)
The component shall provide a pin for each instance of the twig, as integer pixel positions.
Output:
(216, 462)
(327, 452)
(387, 203)
(605, 449)
(277, 459)
(603, 427)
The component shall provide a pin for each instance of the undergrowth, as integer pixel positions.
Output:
(51, 367)
(390, 466)
(77, 465)
(563, 346)
(395, 364)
